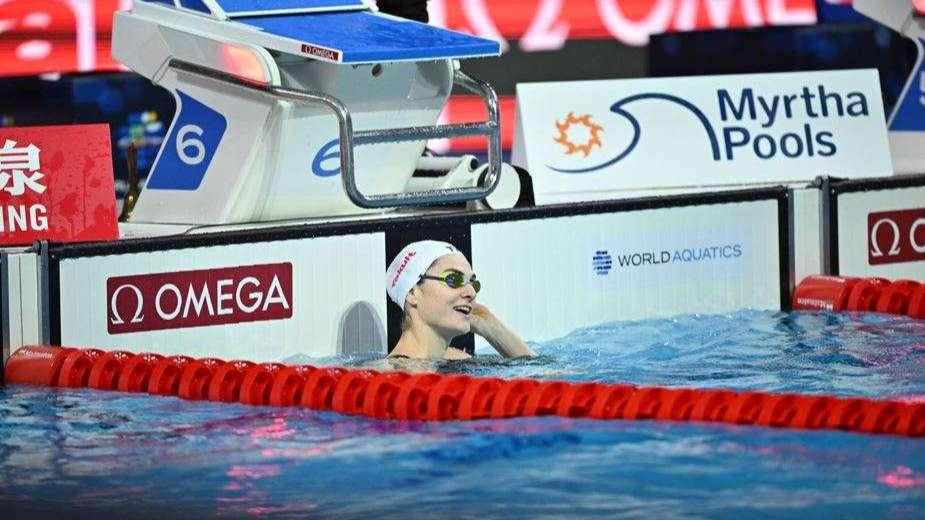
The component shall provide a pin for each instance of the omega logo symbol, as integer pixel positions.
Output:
(139, 304)
(896, 236)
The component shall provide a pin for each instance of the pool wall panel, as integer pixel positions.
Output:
(335, 281)
(548, 277)
(543, 270)
(867, 216)
(807, 233)
(20, 300)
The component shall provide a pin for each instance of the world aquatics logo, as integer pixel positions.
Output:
(744, 124)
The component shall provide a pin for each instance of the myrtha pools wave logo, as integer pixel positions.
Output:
(743, 123)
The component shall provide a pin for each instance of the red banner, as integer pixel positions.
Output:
(548, 24)
(56, 36)
(56, 183)
(184, 299)
(469, 109)
(896, 236)
(919, 7)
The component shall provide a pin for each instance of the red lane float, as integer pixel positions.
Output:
(837, 294)
(136, 372)
(37, 365)
(165, 375)
(288, 384)
(75, 371)
(382, 390)
(258, 382)
(106, 370)
(195, 379)
(436, 397)
(225, 384)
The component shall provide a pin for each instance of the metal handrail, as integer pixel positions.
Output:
(350, 138)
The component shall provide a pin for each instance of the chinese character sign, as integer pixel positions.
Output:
(19, 169)
(56, 183)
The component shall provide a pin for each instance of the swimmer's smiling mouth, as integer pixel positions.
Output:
(465, 309)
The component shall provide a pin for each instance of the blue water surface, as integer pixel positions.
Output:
(83, 453)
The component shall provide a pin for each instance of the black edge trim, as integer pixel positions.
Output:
(54, 300)
(4, 311)
(831, 194)
(836, 188)
(785, 248)
(283, 232)
(886, 183)
(829, 223)
(45, 292)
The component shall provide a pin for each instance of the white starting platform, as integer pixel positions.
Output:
(292, 109)
(907, 122)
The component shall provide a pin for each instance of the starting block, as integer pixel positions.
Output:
(297, 108)
(907, 122)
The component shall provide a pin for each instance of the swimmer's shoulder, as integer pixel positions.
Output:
(451, 353)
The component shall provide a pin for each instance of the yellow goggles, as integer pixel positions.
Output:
(454, 279)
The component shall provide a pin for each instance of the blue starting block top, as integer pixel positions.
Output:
(236, 8)
(365, 37)
(343, 31)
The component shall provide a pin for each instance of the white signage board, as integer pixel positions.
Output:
(270, 301)
(882, 233)
(630, 265)
(907, 122)
(616, 138)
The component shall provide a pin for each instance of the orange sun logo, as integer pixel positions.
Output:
(593, 129)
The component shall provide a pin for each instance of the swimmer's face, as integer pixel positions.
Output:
(442, 307)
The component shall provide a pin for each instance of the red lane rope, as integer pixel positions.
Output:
(835, 293)
(435, 397)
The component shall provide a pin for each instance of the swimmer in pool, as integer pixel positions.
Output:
(435, 286)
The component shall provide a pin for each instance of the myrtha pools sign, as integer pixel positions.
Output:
(700, 131)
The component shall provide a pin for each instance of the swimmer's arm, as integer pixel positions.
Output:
(508, 344)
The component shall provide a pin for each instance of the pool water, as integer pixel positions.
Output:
(83, 453)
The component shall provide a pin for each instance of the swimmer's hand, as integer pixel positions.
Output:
(487, 325)
(480, 317)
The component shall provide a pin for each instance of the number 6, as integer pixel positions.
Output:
(183, 143)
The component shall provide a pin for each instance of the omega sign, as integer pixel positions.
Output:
(198, 298)
(896, 236)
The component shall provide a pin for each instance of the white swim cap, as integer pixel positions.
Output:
(408, 266)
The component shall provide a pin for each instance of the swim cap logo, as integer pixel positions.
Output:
(402, 266)
(594, 131)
